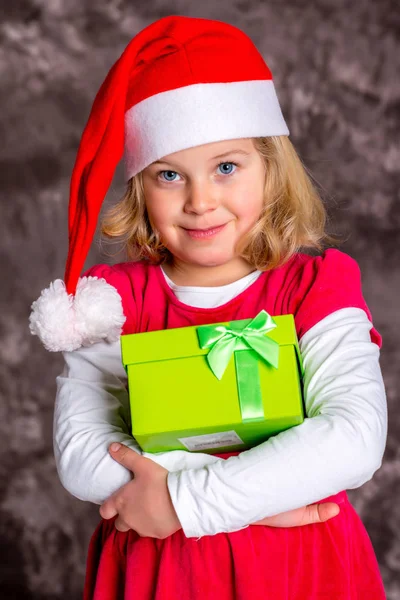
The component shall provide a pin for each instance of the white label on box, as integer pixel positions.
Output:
(211, 440)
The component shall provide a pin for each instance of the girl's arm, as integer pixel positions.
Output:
(339, 447)
(91, 411)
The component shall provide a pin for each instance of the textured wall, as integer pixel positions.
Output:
(335, 64)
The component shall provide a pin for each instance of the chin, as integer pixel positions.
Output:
(209, 260)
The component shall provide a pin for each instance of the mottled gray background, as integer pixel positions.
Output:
(335, 64)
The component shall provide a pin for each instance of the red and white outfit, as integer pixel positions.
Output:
(183, 82)
(338, 447)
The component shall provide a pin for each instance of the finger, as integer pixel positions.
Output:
(319, 513)
(314, 513)
(108, 510)
(121, 525)
(124, 455)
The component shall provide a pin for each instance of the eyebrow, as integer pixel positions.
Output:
(235, 151)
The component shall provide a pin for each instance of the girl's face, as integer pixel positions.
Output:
(202, 201)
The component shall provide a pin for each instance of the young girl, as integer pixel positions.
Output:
(217, 209)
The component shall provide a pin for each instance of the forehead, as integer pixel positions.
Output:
(211, 150)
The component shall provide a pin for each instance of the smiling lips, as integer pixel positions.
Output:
(204, 233)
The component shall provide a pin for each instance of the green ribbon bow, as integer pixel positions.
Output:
(223, 341)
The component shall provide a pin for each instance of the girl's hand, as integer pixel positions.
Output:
(312, 513)
(144, 504)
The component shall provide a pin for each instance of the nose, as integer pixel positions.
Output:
(200, 199)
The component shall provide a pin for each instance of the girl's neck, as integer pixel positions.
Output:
(204, 276)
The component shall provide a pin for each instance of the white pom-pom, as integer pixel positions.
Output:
(53, 319)
(65, 322)
(98, 311)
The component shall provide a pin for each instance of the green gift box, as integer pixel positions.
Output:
(213, 388)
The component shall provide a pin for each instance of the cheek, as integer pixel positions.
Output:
(160, 211)
(159, 204)
(249, 203)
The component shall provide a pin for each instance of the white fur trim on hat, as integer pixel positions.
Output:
(199, 114)
(65, 322)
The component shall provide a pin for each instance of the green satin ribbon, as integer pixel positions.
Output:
(223, 341)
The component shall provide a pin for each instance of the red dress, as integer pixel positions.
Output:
(334, 560)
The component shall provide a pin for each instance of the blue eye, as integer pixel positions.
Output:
(226, 167)
(169, 175)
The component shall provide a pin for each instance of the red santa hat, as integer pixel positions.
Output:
(180, 82)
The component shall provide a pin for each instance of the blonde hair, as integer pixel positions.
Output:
(293, 216)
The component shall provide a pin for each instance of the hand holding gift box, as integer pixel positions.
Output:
(213, 388)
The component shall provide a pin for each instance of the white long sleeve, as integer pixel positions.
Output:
(339, 446)
(91, 411)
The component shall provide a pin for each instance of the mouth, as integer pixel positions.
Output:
(204, 233)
